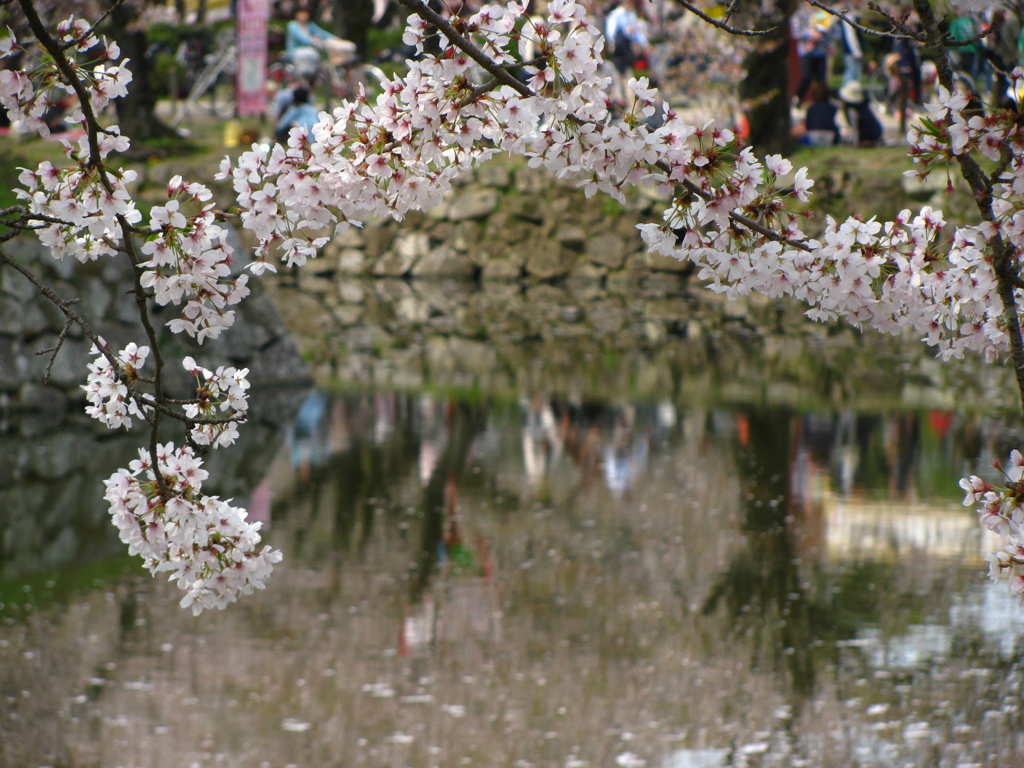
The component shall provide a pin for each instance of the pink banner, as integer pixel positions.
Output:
(252, 56)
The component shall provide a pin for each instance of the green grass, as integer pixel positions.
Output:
(202, 147)
(886, 161)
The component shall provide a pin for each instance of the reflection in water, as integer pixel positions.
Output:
(561, 583)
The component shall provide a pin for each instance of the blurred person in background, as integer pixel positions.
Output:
(306, 44)
(628, 46)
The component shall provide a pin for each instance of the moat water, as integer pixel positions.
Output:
(527, 579)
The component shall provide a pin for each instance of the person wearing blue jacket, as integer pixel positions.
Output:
(299, 112)
(306, 43)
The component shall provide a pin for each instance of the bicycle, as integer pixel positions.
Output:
(330, 83)
(213, 77)
(347, 80)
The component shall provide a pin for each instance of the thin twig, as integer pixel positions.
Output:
(96, 24)
(68, 323)
(723, 25)
(729, 10)
(844, 16)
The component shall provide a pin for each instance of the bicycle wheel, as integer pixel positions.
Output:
(219, 100)
(343, 83)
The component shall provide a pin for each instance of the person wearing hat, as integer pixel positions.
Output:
(853, 50)
(860, 117)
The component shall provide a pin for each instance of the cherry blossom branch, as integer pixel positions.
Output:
(64, 67)
(94, 26)
(66, 307)
(57, 52)
(1007, 273)
(501, 75)
(899, 23)
(463, 43)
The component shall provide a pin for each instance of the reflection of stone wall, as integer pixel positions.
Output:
(30, 324)
(52, 512)
(644, 336)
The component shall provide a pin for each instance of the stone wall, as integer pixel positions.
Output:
(31, 324)
(504, 221)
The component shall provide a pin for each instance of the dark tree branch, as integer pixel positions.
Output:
(724, 25)
(465, 44)
(844, 16)
(1003, 264)
(55, 349)
(68, 74)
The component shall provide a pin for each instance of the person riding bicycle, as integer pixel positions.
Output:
(306, 44)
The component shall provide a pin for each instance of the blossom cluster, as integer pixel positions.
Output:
(223, 392)
(82, 205)
(1001, 510)
(28, 95)
(110, 401)
(202, 542)
(190, 261)
(891, 275)
(402, 150)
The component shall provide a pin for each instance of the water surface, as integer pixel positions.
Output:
(538, 525)
(534, 581)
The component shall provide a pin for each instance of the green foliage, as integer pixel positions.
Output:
(610, 206)
(9, 179)
(381, 40)
(24, 593)
(164, 41)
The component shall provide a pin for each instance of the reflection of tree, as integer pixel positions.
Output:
(764, 588)
(351, 482)
(346, 482)
(464, 425)
(888, 447)
(792, 611)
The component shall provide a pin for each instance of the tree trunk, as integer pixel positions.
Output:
(764, 96)
(136, 112)
(352, 21)
(765, 89)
